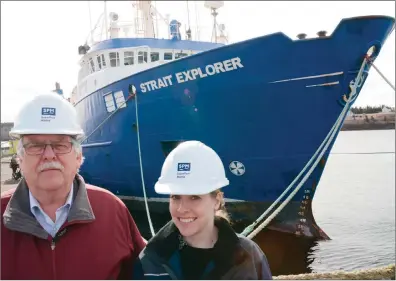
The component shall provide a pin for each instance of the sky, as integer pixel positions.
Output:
(40, 39)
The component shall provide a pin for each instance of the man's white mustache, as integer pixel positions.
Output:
(50, 165)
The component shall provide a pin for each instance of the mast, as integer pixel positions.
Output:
(214, 14)
(156, 19)
(164, 19)
(148, 25)
(105, 19)
(214, 6)
(90, 19)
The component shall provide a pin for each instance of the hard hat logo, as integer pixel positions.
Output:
(183, 167)
(183, 170)
(48, 113)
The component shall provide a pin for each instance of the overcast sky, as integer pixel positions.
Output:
(39, 40)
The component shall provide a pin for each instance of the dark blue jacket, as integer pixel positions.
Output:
(238, 257)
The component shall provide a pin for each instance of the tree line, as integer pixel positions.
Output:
(369, 109)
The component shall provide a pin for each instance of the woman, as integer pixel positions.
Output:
(198, 243)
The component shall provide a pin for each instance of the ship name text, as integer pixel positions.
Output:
(192, 74)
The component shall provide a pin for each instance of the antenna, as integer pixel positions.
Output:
(196, 20)
(164, 19)
(105, 18)
(114, 28)
(90, 19)
(214, 5)
(113, 16)
(156, 18)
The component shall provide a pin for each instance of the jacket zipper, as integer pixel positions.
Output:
(54, 240)
(60, 233)
(53, 244)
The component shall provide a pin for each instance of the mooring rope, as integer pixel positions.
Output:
(370, 60)
(141, 168)
(248, 231)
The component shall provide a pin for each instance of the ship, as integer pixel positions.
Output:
(266, 105)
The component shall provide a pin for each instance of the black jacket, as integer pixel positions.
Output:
(237, 257)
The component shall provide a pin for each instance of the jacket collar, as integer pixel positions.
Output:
(34, 204)
(165, 242)
(18, 217)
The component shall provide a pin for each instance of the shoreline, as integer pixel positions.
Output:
(367, 126)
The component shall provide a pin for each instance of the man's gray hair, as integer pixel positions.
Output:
(75, 143)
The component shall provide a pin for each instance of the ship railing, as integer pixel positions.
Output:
(124, 29)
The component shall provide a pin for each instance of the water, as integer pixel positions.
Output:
(355, 203)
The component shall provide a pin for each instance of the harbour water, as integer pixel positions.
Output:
(354, 205)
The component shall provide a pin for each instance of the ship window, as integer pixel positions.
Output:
(168, 56)
(109, 102)
(101, 61)
(92, 64)
(180, 55)
(154, 56)
(128, 58)
(114, 59)
(120, 99)
(142, 57)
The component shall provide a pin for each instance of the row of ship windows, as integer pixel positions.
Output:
(129, 59)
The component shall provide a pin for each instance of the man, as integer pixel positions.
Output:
(54, 225)
(14, 164)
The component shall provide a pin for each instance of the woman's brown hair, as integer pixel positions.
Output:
(221, 212)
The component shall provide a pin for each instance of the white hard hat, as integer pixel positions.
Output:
(47, 114)
(192, 168)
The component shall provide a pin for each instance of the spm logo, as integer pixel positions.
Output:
(48, 111)
(183, 167)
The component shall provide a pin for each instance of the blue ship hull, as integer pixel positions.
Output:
(270, 111)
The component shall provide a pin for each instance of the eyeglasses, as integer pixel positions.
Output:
(39, 148)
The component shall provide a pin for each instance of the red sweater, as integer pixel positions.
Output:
(99, 240)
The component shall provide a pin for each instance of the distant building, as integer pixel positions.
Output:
(5, 130)
(5, 148)
(386, 109)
